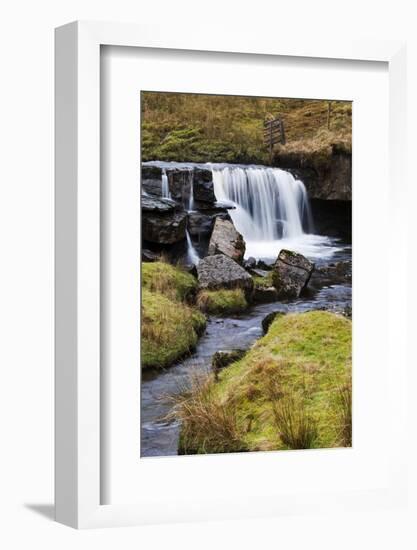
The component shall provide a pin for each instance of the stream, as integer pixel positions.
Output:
(159, 437)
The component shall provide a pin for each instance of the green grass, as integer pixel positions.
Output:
(222, 302)
(286, 391)
(170, 326)
(168, 280)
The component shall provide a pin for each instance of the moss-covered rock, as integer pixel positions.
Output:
(222, 302)
(169, 280)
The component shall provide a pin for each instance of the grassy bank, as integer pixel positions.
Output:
(290, 391)
(222, 302)
(190, 127)
(170, 323)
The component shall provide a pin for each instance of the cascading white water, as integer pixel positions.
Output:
(192, 256)
(165, 186)
(271, 210)
(191, 197)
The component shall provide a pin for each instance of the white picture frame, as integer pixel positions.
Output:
(77, 241)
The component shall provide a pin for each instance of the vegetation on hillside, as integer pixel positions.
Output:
(292, 390)
(202, 128)
(170, 326)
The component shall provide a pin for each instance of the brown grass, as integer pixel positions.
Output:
(208, 425)
(345, 400)
(296, 428)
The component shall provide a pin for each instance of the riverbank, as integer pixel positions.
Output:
(292, 390)
(170, 323)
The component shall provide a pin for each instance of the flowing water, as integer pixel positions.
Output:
(271, 210)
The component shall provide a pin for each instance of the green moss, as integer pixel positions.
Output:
(169, 329)
(301, 365)
(222, 302)
(262, 282)
(168, 280)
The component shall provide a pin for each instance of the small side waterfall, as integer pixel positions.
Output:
(165, 186)
(192, 255)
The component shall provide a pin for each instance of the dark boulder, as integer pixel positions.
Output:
(152, 180)
(156, 205)
(225, 239)
(264, 295)
(203, 188)
(162, 222)
(179, 182)
(200, 223)
(291, 274)
(220, 271)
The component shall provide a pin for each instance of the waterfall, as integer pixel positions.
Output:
(270, 208)
(165, 186)
(270, 203)
(271, 211)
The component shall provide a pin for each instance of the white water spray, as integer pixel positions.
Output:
(271, 211)
(165, 186)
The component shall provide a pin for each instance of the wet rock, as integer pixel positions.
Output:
(291, 274)
(200, 223)
(220, 271)
(203, 188)
(162, 222)
(156, 205)
(152, 180)
(179, 183)
(226, 240)
(327, 177)
(250, 263)
(222, 359)
(264, 295)
(335, 272)
(149, 256)
(269, 319)
(218, 206)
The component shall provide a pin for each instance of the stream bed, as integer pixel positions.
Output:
(159, 437)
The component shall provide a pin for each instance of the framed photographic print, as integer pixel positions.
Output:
(225, 214)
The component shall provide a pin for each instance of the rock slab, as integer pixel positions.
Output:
(291, 274)
(162, 222)
(226, 240)
(220, 271)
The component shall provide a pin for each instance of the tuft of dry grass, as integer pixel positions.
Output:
(296, 428)
(345, 413)
(208, 424)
